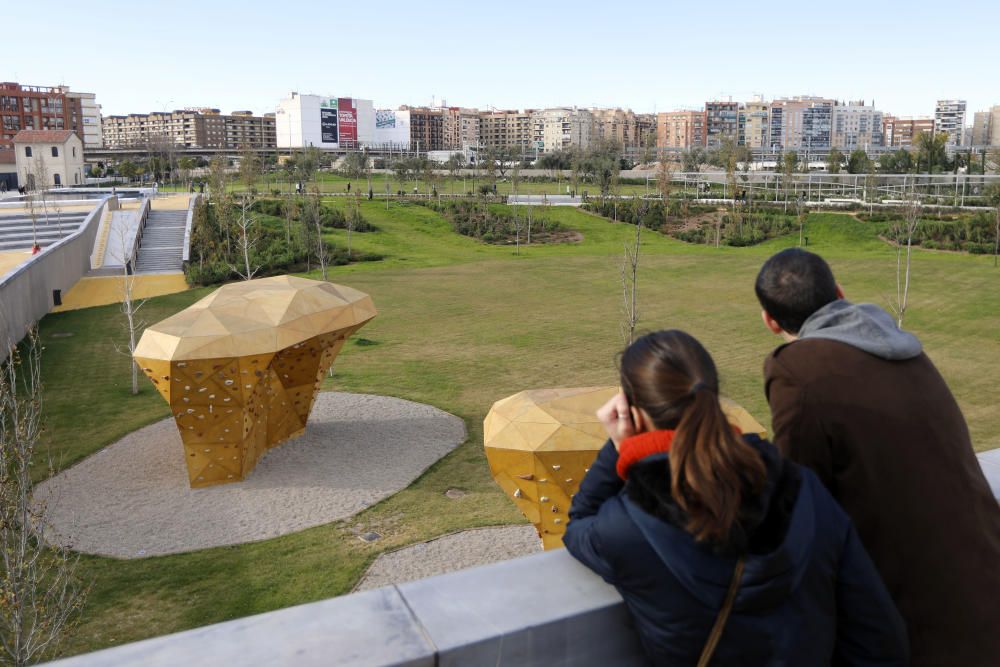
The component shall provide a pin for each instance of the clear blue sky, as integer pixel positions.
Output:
(509, 54)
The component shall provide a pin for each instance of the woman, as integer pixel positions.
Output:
(717, 545)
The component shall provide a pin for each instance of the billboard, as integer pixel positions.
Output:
(385, 119)
(328, 125)
(348, 119)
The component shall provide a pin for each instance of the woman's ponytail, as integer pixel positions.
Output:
(672, 377)
(710, 467)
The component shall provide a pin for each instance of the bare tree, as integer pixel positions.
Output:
(630, 285)
(39, 593)
(903, 231)
(353, 219)
(250, 170)
(245, 226)
(314, 215)
(217, 178)
(129, 307)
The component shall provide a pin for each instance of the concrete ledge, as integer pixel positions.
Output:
(541, 610)
(536, 611)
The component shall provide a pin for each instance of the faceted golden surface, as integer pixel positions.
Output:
(540, 443)
(240, 368)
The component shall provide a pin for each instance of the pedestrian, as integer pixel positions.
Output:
(348, 188)
(858, 401)
(717, 544)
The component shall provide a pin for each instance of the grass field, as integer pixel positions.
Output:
(329, 182)
(461, 325)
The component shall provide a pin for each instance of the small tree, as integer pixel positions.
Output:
(903, 232)
(313, 214)
(630, 283)
(129, 307)
(789, 162)
(834, 160)
(39, 592)
(858, 163)
(247, 239)
(250, 170)
(217, 178)
(186, 165)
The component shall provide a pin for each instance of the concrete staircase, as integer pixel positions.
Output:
(162, 242)
(16, 234)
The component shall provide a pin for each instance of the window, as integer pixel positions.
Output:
(27, 151)
(55, 151)
(74, 151)
(56, 180)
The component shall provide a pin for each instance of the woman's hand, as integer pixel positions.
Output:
(616, 416)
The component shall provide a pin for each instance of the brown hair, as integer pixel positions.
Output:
(672, 377)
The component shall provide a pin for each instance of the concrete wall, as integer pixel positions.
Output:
(26, 292)
(541, 610)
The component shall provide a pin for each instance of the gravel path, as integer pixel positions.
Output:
(132, 498)
(449, 553)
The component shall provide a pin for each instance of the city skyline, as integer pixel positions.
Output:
(527, 56)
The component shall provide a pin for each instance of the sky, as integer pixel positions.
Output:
(647, 56)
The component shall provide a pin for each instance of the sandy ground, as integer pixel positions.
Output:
(132, 498)
(449, 553)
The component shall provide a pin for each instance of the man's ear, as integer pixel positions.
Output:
(771, 324)
(840, 292)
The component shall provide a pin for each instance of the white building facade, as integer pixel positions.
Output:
(48, 158)
(324, 122)
(561, 128)
(857, 126)
(392, 129)
(91, 121)
(949, 117)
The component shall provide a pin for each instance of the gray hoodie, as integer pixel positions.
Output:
(864, 326)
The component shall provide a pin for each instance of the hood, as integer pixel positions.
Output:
(776, 562)
(864, 326)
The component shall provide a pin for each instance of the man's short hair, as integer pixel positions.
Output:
(794, 284)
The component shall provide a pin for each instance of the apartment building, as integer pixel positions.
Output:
(645, 129)
(680, 130)
(37, 108)
(184, 128)
(561, 128)
(722, 121)
(460, 127)
(754, 125)
(801, 123)
(903, 131)
(949, 118)
(507, 128)
(190, 128)
(621, 126)
(426, 128)
(243, 129)
(986, 128)
(90, 118)
(857, 126)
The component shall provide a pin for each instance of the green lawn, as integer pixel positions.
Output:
(328, 182)
(461, 325)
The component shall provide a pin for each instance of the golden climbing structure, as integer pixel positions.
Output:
(240, 368)
(540, 443)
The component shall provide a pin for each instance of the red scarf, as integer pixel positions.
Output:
(635, 448)
(638, 447)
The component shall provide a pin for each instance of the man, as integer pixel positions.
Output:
(857, 400)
